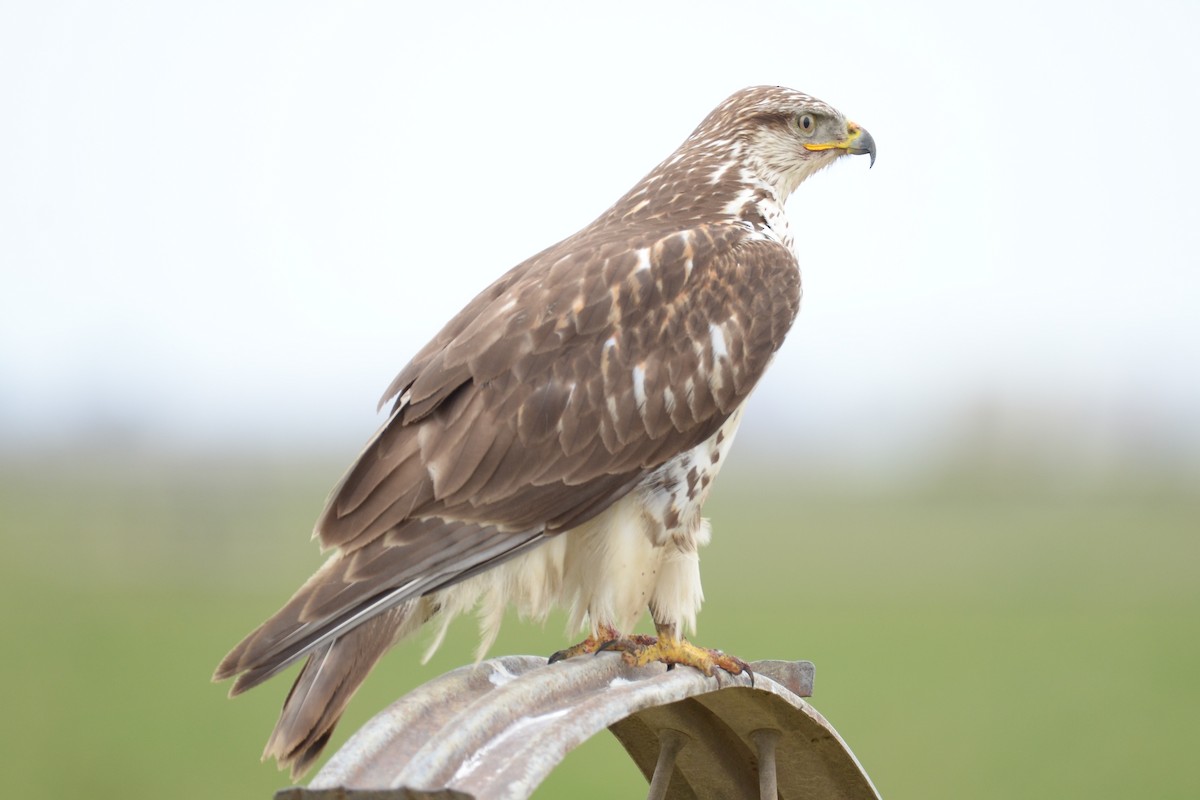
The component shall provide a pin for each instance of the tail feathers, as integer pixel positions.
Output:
(329, 602)
(282, 638)
(328, 680)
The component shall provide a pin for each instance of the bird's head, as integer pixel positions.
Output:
(784, 136)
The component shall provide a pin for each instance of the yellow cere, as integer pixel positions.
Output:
(855, 132)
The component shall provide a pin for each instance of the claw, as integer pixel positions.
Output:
(638, 651)
(598, 641)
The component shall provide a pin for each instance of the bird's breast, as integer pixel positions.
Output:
(674, 494)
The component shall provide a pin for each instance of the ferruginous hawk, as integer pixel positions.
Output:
(554, 444)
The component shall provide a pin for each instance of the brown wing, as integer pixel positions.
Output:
(567, 380)
(543, 402)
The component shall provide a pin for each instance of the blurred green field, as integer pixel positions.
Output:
(973, 637)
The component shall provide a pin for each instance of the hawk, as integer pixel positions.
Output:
(554, 443)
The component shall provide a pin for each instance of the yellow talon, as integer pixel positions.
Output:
(592, 644)
(638, 651)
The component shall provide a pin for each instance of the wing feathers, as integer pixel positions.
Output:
(421, 556)
(576, 426)
(402, 490)
(547, 399)
(498, 441)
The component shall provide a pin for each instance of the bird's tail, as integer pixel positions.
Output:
(346, 616)
(328, 680)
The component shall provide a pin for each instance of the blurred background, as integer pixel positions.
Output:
(975, 466)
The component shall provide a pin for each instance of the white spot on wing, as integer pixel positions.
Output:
(643, 259)
(734, 207)
(639, 385)
(570, 396)
(720, 347)
(637, 208)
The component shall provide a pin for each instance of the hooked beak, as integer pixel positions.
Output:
(857, 142)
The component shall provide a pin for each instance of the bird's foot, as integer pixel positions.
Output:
(590, 645)
(638, 651)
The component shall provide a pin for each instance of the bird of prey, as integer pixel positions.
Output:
(554, 443)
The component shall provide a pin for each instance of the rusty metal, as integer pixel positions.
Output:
(495, 731)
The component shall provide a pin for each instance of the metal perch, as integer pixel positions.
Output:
(496, 730)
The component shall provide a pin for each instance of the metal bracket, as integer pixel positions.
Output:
(495, 730)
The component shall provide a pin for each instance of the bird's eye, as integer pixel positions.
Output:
(806, 123)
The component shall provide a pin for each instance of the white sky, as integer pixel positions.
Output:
(234, 222)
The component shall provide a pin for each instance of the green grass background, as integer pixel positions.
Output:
(975, 635)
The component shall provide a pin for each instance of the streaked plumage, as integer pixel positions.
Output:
(554, 443)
